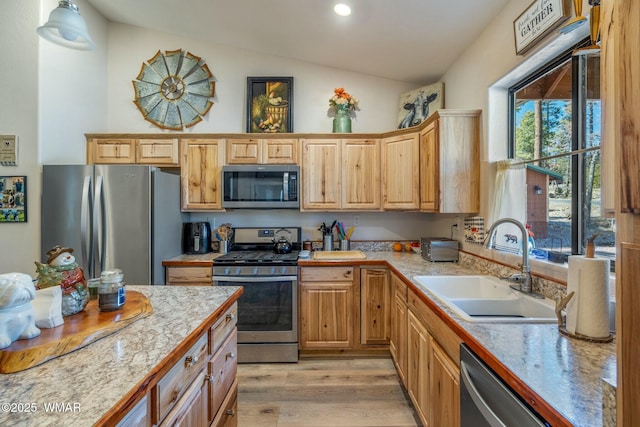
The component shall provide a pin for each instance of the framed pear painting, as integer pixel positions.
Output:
(269, 104)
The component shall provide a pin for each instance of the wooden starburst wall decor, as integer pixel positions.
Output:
(173, 89)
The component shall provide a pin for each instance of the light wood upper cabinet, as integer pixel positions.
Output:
(145, 151)
(450, 162)
(111, 151)
(161, 152)
(262, 151)
(341, 174)
(400, 172)
(321, 174)
(360, 174)
(429, 168)
(201, 173)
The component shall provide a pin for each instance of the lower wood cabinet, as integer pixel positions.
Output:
(326, 307)
(200, 389)
(398, 333)
(432, 367)
(375, 306)
(188, 276)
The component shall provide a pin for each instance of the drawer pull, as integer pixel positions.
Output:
(230, 317)
(209, 378)
(230, 355)
(230, 412)
(191, 360)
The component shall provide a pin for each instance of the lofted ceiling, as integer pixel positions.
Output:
(407, 40)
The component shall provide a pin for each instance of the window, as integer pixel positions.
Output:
(555, 128)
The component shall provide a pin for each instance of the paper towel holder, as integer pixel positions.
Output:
(561, 303)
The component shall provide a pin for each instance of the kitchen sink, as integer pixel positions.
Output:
(488, 299)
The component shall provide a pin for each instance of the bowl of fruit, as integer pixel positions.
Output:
(415, 247)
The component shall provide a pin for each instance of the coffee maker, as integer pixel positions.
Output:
(196, 237)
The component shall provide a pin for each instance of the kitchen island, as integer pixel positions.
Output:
(102, 382)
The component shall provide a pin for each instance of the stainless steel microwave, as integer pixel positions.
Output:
(260, 187)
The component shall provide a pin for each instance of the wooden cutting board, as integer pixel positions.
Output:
(77, 331)
(338, 255)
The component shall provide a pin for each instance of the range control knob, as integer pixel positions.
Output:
(273, 270)
(227, 271)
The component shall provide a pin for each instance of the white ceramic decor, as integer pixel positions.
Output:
(16, 312)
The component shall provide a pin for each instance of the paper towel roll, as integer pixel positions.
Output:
(588, 310)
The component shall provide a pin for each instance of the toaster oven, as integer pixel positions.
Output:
(439, 249)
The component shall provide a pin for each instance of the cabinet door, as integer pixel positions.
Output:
(418, 367)
(400, 172)
(445, 388)
(201, 173)
(429, 168)
(191, 409)
(243, 151)
(111, 151)
(163, 152)
(280, 151)
(398, 334)
(375, 306)
(459, 146)
(361, 174)
(321, 174)
(326, 315)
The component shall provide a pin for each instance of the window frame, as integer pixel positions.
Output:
(578, 133)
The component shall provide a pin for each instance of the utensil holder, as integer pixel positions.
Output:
(223, 247)
(345, 244)
(327, 242)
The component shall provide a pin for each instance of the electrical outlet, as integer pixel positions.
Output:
(356, 220)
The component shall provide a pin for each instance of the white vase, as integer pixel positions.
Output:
(47, 307)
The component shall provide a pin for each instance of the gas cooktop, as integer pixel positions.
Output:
(256, 256)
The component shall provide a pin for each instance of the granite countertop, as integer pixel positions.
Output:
(89, 382)
(567, 373)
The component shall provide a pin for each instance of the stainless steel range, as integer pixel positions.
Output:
(265, 262)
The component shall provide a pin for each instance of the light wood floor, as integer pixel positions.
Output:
(340, 392)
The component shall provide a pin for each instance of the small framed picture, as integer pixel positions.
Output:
(417, 105)
(269, 104)
(14, 199)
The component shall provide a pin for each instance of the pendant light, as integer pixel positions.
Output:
(575, 22)
(67, 28)
(594, 31)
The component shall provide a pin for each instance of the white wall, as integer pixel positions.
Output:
(313, 85)
(49, 96)
(19, 116)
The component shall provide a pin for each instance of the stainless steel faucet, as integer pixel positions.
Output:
(521, 282)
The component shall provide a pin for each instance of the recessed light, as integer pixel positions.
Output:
(342, 9)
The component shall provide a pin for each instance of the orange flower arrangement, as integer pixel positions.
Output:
(343, 99)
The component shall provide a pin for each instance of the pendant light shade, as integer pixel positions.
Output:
(67, 28)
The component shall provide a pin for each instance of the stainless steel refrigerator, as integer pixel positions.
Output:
(113, 216)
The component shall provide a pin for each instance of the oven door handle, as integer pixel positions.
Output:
(244, 279)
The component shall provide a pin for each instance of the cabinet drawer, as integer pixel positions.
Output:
(172, 386)
(326, 274)
(400, 288)
(222, 328)
(139, 416)
(188, 276)
(228, 413)
(448, 340)
(222, 371)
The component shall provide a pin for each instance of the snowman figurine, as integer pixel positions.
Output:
(62, 270)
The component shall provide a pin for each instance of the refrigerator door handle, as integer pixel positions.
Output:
(99, 224)
(85, 236)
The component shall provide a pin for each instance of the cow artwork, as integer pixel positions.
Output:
(417, 105)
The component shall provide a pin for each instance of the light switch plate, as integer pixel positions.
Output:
(8, 150)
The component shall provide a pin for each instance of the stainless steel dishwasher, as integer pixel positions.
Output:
(485, 401)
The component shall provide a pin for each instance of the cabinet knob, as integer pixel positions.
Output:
(230, 355)
(230, 412)
(230, 317)
(209, 378)
(191, 360)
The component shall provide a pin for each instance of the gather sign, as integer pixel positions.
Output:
(540, 18)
